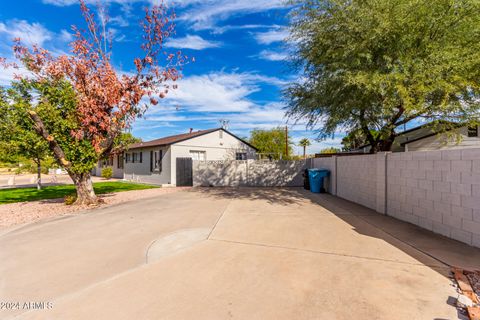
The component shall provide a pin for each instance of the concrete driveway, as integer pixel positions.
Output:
(229, 253)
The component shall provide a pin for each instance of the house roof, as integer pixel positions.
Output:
(430, 132)
(166, 141)
(418, 133)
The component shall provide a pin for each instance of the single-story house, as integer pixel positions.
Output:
(426, 138)
(156, 161)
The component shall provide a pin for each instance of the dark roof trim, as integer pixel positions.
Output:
(419, 138)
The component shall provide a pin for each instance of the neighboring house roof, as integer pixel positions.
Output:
(427, 131)
(166, 141)
(414, 134)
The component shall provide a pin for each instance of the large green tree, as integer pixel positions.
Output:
(272, 143)
(79, 103)
(374, 65)
(17, 135)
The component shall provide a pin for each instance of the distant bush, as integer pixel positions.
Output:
(107, 173)
(69, 200)
(25, 168)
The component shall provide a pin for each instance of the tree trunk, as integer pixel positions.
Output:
(373, 148)
(39, 175)
(386, 145)
(304, 152)
(85, 193)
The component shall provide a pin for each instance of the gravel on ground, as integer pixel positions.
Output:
(474, 278)
(25, 212)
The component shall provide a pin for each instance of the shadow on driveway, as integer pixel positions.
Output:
(422, 245)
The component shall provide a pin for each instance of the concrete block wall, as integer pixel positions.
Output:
(437, 190)
(329, 163)
(254, 173)
(357, 179)
(219, 173)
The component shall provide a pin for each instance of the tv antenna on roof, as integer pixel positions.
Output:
(224, 123)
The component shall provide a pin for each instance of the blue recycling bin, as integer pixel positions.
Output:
(315, 177)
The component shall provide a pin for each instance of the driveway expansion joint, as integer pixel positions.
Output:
(219, 218)
(328, 253)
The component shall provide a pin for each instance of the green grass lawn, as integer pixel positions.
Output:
(31, 194)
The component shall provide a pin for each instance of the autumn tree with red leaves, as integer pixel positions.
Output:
(79, 103)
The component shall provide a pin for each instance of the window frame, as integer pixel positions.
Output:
(472, 131)
(120, 161)
(243, 156)
(198, 152)
(156, 161)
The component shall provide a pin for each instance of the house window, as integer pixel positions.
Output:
(241, 156)
(473, 131)
(134, 157)
(127, 157)
(198, 155)
(141, 156)
(120, 161)
(107, 162)
(156, 160)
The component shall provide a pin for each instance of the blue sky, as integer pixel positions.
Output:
(239, 68)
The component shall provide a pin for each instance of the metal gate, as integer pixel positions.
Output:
(184, 172)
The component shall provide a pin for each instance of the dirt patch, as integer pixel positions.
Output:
(26, 212)
(474, 278)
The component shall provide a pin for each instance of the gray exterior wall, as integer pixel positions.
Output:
(254, 173)
(140, 172)
(117, 172)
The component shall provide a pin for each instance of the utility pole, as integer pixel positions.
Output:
(286, 141)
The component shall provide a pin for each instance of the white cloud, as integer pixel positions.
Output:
(276, 35)
(210, 97)
(29, 34)
(223, 29)
(119, 21)
(60, 2)
(191, 42)
(66, 36)
(205, 14)
(63, 3)
(116, 35)
(215, 92)
(272, 55)
(7, 75)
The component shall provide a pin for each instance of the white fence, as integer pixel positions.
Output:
(437, 190)
(254, 173)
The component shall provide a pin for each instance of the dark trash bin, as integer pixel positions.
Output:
(315, 177)
(306, 180)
